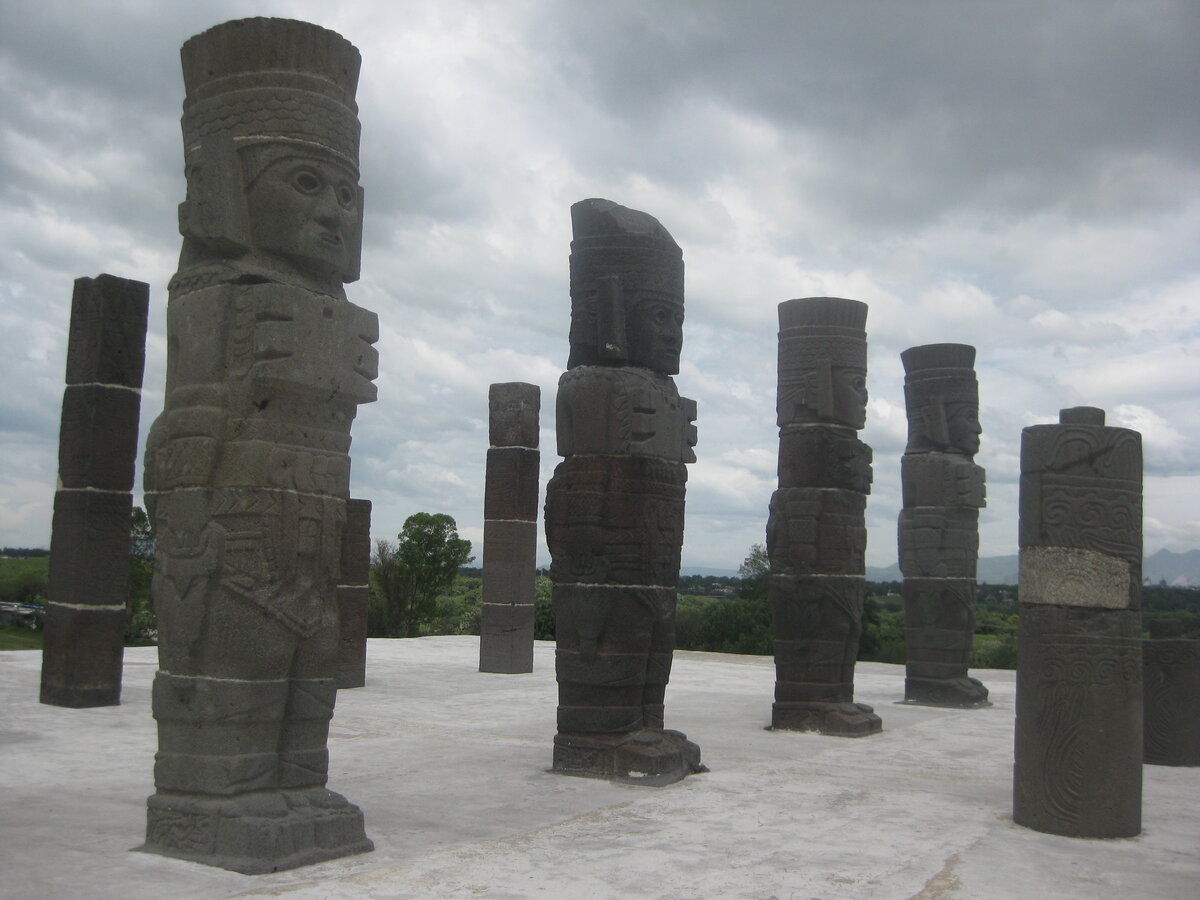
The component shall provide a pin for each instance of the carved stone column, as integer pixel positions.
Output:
(510, 529)
(939, 525)
(614, 508)
(1171, 697)
(1078, 768)
(354, 593)
(97, 444)
(816, 533)
(247, 468)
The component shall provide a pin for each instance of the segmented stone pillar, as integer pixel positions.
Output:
(97, 444)
(247, 468)
(354, 593)
(816, 533)
(939, 526)
(1171, 697)
(614, 508)
(510, 529)
(1078, 768)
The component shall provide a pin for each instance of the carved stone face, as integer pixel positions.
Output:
(962, 427)
(654, 329)
(850, 395)
(306, 211)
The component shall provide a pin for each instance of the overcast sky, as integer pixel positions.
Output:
(1020, 176)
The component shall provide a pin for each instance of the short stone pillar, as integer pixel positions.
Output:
(816, 533)
(247, 467)
(943, 492)
(510, 508)
(1171, 698)
(354, 594)
(97, 445)
(614, 508)
(1078, 769)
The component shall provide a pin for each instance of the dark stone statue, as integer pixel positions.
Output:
(1171, 696)
(97, 444)
(510, 529)
(354, 593)
(247, 468)
(1078, 769)
(816, 533)
(614, 508)
(939, 526)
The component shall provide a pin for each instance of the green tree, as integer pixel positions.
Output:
(755, 571)
(408, 575)
(141, 626)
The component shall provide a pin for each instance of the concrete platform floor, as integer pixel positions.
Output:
(449, 767)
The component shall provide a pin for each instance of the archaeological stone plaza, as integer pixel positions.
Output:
(556, 749)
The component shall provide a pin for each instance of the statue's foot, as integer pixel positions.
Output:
(255, 832)
(845, 719)
(960, 692)
(653, 757)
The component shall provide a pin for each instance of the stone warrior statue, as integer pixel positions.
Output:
(614, 508)
(247, 471)
(816, 533)
(939, 525)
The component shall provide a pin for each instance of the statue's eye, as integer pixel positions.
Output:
(307, 181)
(346, 196)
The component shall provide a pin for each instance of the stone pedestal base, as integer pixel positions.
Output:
(256, 833)
(653, 758)
(961, 692)
(836, 719)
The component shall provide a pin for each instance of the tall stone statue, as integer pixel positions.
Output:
(1078, 769)
(939, 526)
(1171, 695)
(97, 446)
(247, 472)
(510, 529)
(614, 508)
(816, 533)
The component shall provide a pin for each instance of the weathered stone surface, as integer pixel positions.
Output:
(353, 595)
(513, 414)
(1171, 696)
(1078, 749)
(509, 549)
(816, 532)
(247, 470)
(1078, 761)
(511, 487)
(89, 546)
(614, 508)
(938, 529)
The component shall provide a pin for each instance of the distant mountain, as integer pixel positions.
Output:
(705, 571)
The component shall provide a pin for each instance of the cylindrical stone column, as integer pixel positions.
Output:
(353, 595)
(1171, 697)
(97, 444)
(816, 533)
(1078, 746)
(510, 508)
(939, 526)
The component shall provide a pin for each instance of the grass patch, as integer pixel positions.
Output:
(17, 638)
